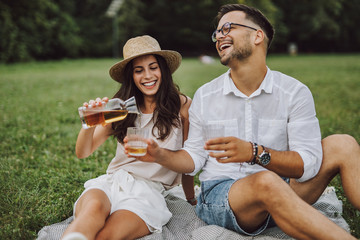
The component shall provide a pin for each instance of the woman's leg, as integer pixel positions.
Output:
(91, 212)
(123, 224)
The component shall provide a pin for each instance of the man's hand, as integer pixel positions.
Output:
(232, 149)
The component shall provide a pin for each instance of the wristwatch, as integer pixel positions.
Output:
(264, 158)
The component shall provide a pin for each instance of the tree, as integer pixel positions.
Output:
(321, 25)
(36, 29)
(95, 28)
(54, 29)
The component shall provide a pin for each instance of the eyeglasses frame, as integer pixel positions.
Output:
(213, 35)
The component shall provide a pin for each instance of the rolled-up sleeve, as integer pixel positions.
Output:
(304, 133)
(194, 145)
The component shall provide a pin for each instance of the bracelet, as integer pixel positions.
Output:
(191, 201)
(255, 153)
(258, 157)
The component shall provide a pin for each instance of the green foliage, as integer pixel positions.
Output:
(36, 30)
(54, 29)
(321, 25)
(182, 25)
(95, 29)
(40, 176)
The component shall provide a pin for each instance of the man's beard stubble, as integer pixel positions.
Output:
(239, 53)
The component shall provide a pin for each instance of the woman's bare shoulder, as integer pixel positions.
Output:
(185, 105)
(185, 101)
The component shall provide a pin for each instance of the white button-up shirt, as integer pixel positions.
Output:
(280, 115)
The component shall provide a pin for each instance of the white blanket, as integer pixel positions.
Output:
(184, 223)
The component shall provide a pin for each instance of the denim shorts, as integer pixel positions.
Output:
(214, 209)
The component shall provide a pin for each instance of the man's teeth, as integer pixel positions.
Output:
(226, 45)
(149, 83)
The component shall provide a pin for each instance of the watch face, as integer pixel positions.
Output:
(265, 159)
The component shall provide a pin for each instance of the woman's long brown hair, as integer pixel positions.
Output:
(167, 108)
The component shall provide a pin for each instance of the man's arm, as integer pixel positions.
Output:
(284, 163)
(303, 159)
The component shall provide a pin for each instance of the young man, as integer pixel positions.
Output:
(271, 130)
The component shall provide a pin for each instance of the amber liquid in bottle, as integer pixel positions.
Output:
(104, 117)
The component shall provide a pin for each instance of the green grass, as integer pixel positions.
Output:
(40, 176)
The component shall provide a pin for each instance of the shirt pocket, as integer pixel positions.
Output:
(231, 126)
(272, 133)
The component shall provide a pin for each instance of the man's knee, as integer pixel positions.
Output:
(268, 182)
(339, 145)
(270, 189)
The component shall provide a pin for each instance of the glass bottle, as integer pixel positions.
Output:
(114, 110)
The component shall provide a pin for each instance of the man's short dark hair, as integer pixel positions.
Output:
(252, 14)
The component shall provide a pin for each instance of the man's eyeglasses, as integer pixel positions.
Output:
(225, 29)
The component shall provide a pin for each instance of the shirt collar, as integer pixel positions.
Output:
(266, 85)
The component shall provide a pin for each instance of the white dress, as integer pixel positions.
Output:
(139, 186)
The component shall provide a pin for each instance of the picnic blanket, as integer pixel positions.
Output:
(184, 223)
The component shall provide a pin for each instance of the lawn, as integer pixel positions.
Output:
(40, 176)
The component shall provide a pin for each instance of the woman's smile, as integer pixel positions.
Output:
(147, 74)
(149, 84)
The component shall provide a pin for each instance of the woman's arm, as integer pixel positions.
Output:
(90, 139)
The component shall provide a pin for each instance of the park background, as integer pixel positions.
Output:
(56, 29)
(55, 54)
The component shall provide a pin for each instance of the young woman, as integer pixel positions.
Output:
(128, 201)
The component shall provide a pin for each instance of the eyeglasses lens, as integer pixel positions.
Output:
(225, 29)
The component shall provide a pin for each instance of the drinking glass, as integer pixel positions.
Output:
(137, 141)
(213, 130)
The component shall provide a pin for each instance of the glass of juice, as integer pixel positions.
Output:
(137, 141)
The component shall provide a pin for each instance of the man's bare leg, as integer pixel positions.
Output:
(341, 154)
(253, 197)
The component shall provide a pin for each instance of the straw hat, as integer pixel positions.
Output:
(140, 46)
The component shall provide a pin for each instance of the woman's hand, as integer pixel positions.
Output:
(96, 103)
(153, 149)
(91, 138)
